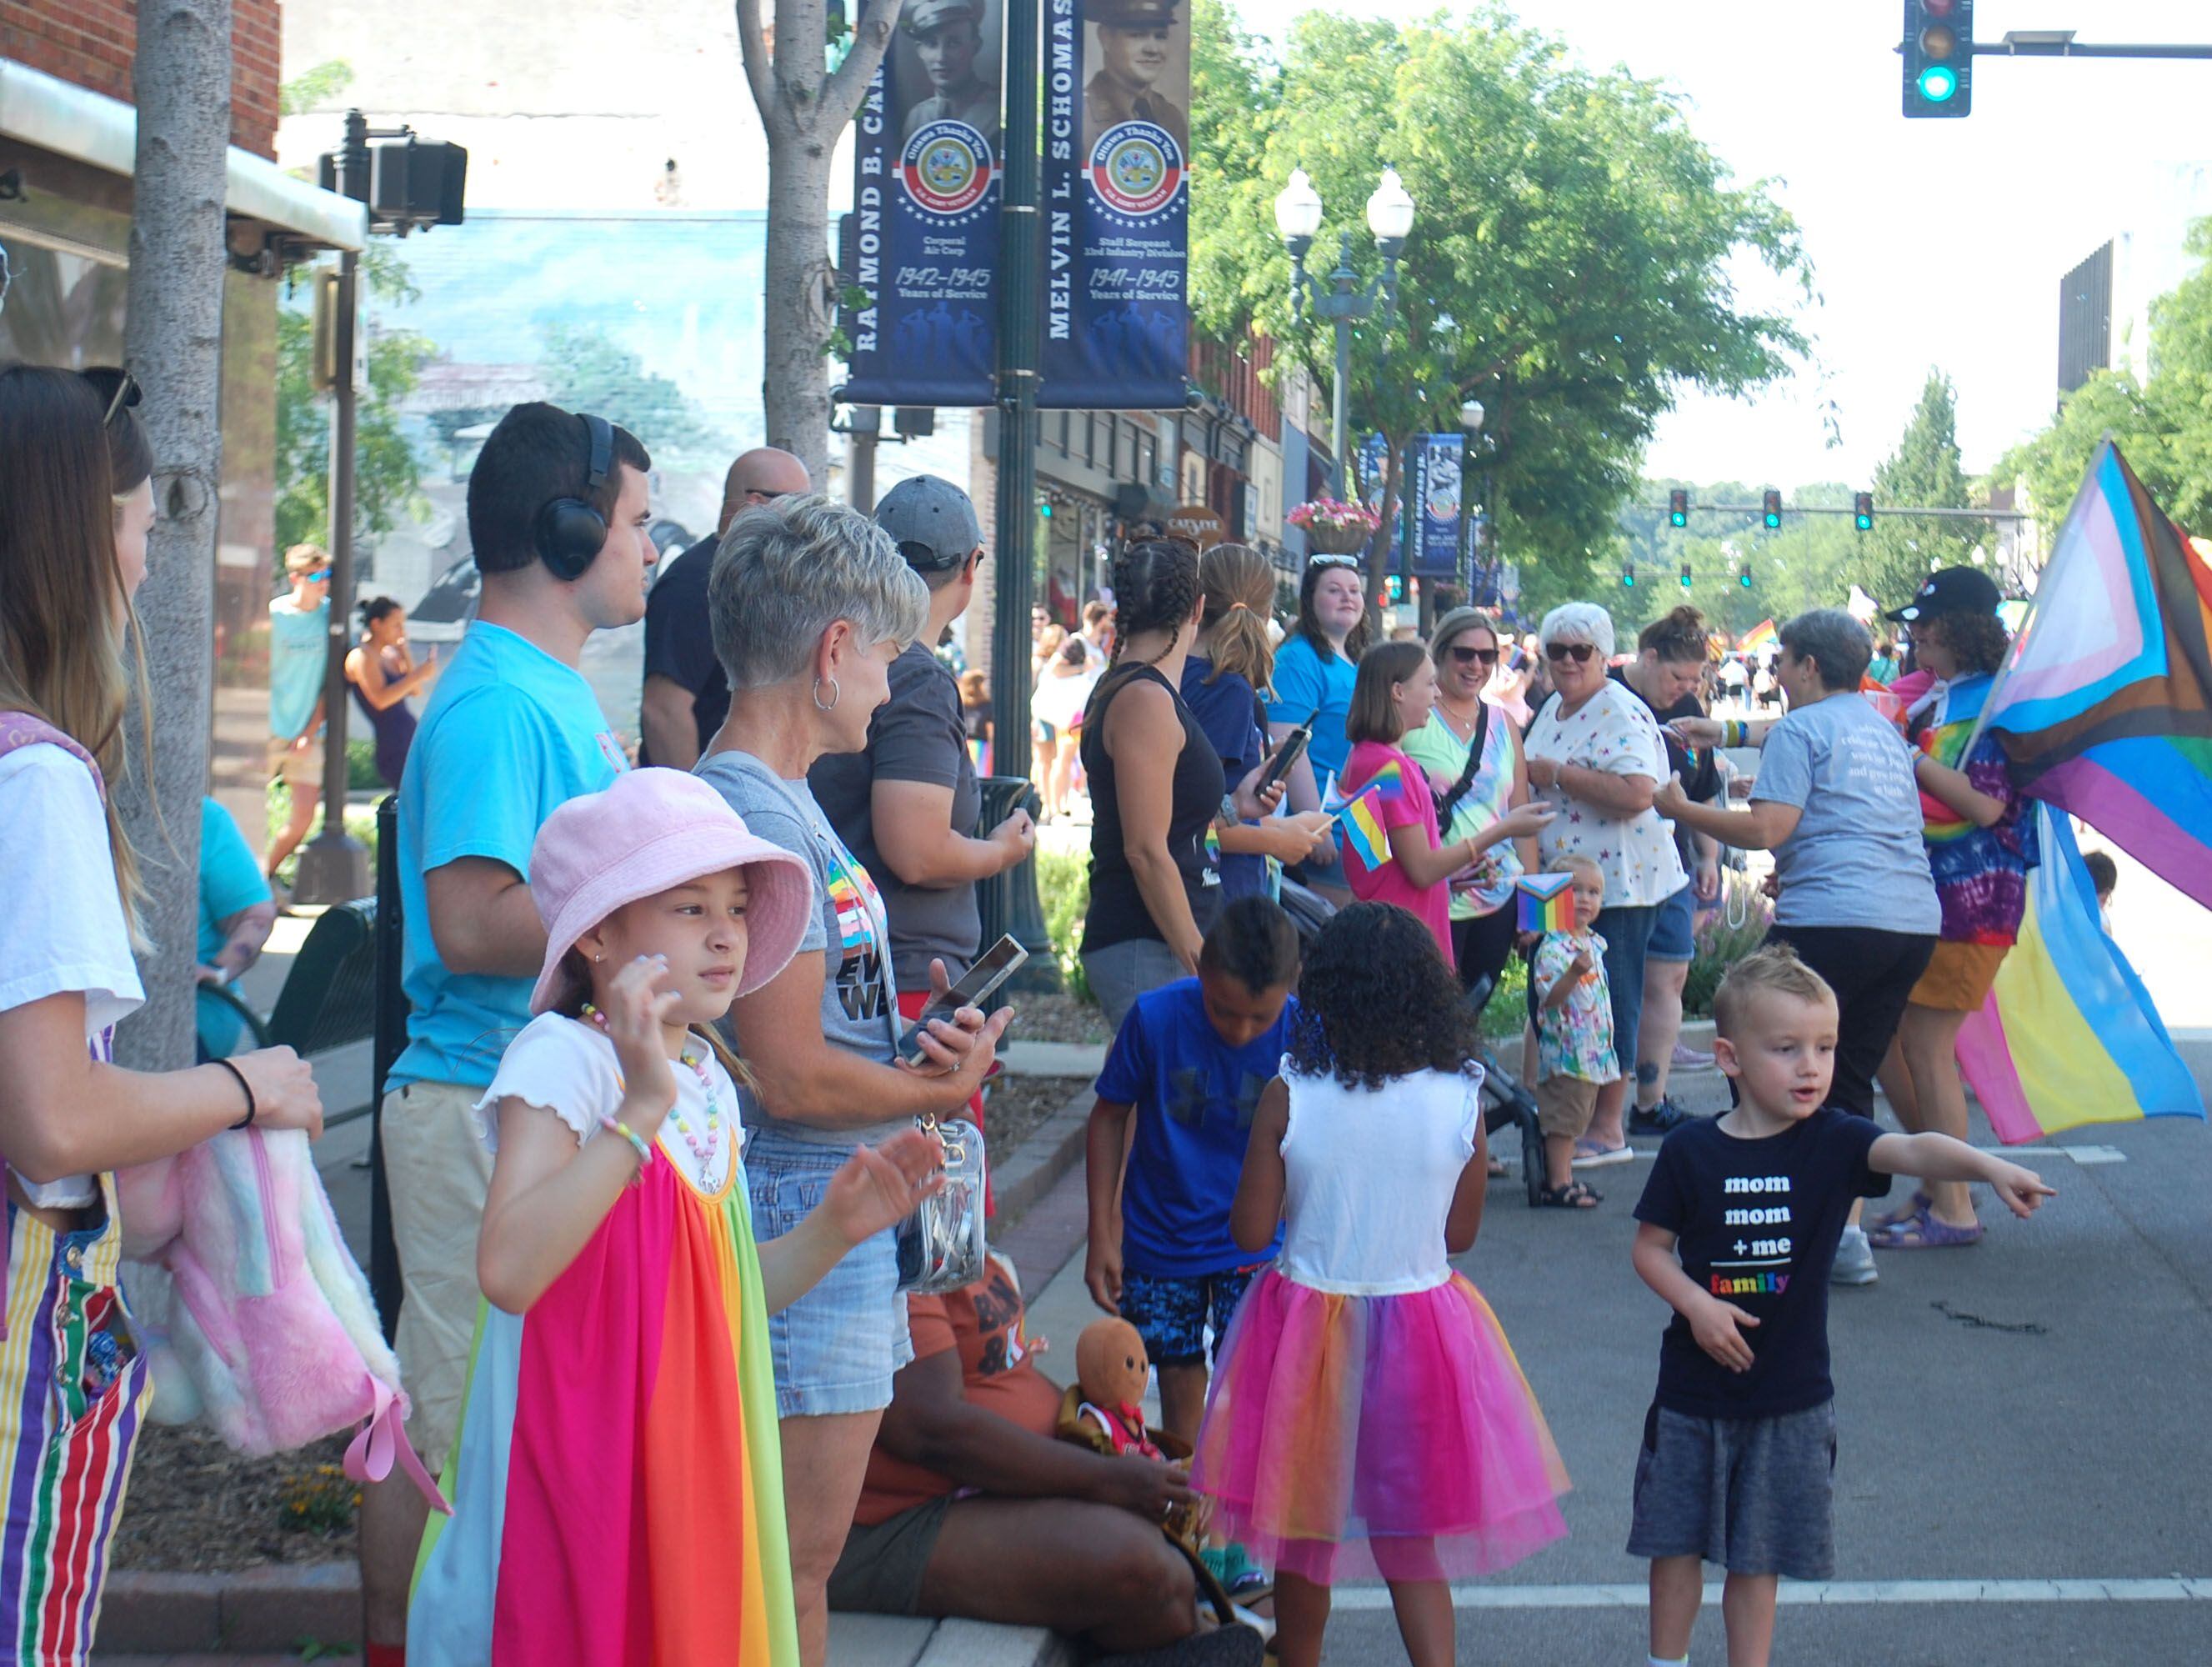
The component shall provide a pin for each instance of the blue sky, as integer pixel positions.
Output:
(1933, 243)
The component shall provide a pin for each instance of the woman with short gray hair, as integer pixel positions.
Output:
(1595, 755)
(810, 602)
(1835, 802)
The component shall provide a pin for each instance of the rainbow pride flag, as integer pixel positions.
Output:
(1761, 635)
(2105, 702)
(1359, 818)
(1387, 782)
(1546, 902)
(2070, 1036)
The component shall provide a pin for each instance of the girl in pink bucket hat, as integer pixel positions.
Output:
(616, 1486)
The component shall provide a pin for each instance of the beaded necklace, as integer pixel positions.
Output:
(705, 1142)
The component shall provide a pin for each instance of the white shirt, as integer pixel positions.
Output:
(1612, 730)
(65, 926)
(568, 1067)
(1369, 1177)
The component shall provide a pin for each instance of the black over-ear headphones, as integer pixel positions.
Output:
(569, 532)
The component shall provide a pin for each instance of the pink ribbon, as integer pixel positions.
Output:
(381, 1438)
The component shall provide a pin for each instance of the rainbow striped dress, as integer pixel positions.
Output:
(617, 1487)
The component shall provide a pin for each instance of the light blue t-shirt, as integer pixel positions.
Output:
(1304, 680)
(510, 736)
(299, 649)
(230, 881)
(1856, 858)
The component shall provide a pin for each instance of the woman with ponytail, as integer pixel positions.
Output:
(384, 674)
(76, 501)
(1157, 787)
(1229, 665)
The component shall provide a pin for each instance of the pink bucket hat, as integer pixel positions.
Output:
(653, 830)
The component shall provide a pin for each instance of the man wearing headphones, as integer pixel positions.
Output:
(558, 509)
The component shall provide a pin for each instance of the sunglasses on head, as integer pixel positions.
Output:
(1577, 652)
(1466, 654)
(1330, 558)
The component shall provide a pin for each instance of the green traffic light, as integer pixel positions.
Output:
(1938, 82)
(1744, 579)
(1865, 523)
(1628, 580)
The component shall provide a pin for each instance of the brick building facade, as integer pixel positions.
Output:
(89, 43)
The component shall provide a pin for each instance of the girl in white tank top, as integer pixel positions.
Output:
(1367, 1414)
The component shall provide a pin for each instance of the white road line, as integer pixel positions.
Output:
(2088, 1155)
(2165, 1590)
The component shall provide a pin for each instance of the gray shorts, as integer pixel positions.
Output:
(1753, 1494)
(880, 1571)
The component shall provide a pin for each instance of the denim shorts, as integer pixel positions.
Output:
(1674, 936)
(835, 1350)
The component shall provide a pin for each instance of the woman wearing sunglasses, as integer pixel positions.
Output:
(1594, 752)
(1471, 751)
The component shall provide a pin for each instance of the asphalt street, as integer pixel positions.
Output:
(2029, 1410)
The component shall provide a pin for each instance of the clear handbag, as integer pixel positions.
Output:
(940, 1245)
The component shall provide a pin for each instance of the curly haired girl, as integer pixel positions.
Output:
(1420, 1453)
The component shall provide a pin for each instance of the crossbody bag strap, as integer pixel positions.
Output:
(1450, 808)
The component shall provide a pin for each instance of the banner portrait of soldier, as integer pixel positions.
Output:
(1141, 50)
(947, 60)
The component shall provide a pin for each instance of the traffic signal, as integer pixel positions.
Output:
(1939, 58)
(1628, 578)
(1863, 511)
(1678, 507)
(1744, 578)
(1685, 576)
(1773, 509)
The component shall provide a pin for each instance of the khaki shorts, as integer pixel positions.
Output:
(437, 1170)
(1565, 1105)
(300, 768)
(1959, 976)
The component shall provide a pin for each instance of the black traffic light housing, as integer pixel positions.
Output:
(1628, 578)
(1863, 511)
(1678, 507)
(1685, 576)
(1773, 509)
(1744, 578)
(1938, 48)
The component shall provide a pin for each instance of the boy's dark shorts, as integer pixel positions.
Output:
(1170, 1312)
(1753, 1494)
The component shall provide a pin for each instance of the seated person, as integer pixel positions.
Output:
(972, 1508)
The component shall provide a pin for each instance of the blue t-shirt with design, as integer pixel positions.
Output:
(511, 735)
(1195, 1096)
(1305, 683)
(230, 882)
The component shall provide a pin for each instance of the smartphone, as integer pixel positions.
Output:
(1292, 749)
(1000, 964)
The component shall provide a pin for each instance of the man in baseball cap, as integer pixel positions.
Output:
(1950, 590)
(906, 806)
(948, 39)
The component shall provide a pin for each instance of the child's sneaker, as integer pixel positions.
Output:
(1854, 1260)
(1244, 1580)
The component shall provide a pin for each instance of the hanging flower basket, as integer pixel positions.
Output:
(1334, 527)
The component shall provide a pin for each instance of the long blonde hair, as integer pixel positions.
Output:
(1238, 584)
(61, 646)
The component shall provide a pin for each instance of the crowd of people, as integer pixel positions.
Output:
(658, 1117)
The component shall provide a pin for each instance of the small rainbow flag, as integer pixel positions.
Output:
(1359, 820)
(1389, 782)
(1761, 635)
(1546, 902)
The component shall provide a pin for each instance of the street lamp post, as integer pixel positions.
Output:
(1297, 218)
(1470, 419)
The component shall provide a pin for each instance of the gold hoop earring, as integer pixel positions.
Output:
(830, 705)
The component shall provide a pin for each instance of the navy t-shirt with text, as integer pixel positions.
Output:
(1756, 1224)
(1195, 1096)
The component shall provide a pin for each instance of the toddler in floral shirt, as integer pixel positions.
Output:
(1574, 1037)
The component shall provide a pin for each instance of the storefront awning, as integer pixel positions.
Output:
(38, 109)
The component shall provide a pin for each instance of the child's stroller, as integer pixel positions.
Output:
(1506, 1102)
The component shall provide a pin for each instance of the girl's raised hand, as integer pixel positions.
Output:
(635, 1012)
(880, 1186)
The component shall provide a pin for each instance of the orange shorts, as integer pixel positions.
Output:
(1959, 976)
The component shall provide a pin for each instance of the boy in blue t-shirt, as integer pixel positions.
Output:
(1189, 1064)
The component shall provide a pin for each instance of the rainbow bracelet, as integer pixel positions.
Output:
(638, 1143)
(1735, 732)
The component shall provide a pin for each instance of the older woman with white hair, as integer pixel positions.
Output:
(1595, 753)
(810, 602)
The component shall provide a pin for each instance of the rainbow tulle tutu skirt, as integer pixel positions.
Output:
(1348, 1437)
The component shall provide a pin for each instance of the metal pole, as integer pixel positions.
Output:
(2080, 49)
(1337, 439)
(860, 472)
(1014, 543)
(333, 865)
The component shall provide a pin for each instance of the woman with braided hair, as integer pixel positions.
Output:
(1158, 787)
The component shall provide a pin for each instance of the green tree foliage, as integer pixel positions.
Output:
(310, 87)
(586, 369)
(387, 470)
(1925, 469)
(1811, 562)
(1568, 266)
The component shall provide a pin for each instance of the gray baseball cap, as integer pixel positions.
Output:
(931, 520)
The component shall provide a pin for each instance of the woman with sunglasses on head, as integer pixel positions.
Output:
(1315, 671)
(1471, 751)
(1595, 753)
(76, 502)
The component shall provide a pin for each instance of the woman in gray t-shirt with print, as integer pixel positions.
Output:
(809, 603)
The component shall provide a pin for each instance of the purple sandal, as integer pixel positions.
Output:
(1924, 1232)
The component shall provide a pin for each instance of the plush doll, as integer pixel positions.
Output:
(1111, 1369)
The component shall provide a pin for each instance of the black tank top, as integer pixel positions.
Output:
(1117, 910)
